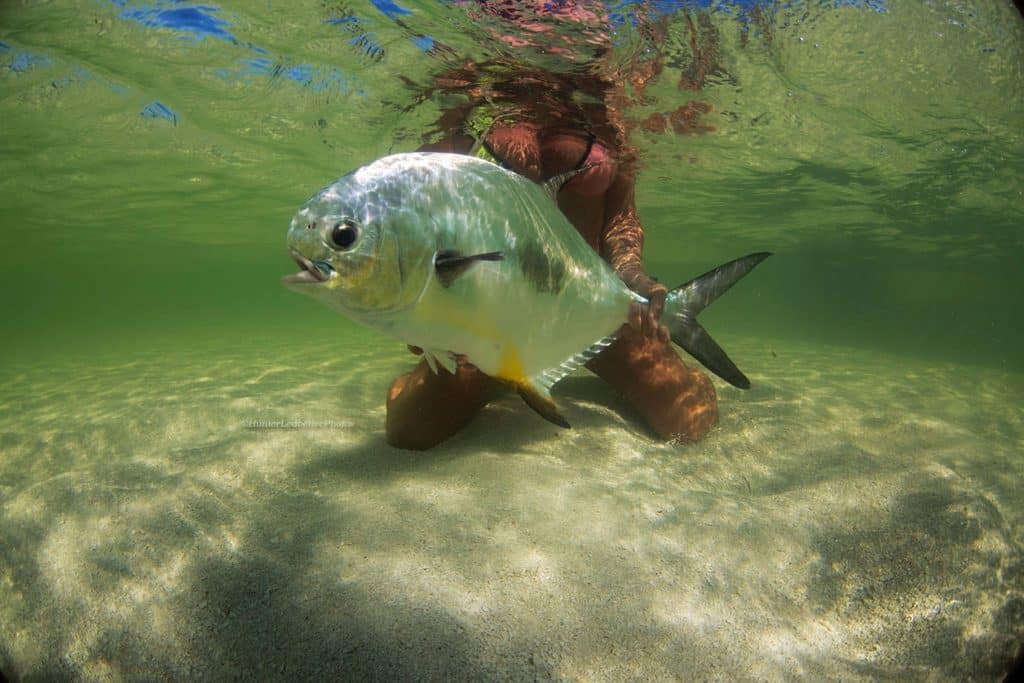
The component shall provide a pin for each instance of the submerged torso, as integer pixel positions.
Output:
(540, 154)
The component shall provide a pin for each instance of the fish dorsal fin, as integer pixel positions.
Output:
(553, 184)
(553, 375)
(449, 264)
(539, 399)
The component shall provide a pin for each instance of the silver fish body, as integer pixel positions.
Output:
(457, 255)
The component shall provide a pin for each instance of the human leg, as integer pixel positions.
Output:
(677, 402)
(424, 408)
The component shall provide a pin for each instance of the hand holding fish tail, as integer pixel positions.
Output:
(644, 319)
(651, 318)
(622, 241)
(623, 244)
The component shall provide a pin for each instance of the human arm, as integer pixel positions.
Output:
(622, 244)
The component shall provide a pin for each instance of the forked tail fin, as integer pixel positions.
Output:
(684, 304)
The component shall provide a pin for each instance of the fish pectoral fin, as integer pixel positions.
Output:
(449, 264)
(540, 400)
(431, 360)
(435, 359)
(447, 360)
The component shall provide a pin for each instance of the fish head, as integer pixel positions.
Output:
(358, 250)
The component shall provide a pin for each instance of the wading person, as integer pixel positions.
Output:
(541, 125)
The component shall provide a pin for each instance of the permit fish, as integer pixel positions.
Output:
(463, 258)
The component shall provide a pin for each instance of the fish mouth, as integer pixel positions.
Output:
(312, 272)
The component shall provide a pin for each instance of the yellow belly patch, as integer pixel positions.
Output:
(510, 367)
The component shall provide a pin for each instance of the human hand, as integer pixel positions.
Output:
(645, 318)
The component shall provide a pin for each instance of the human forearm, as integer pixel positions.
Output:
(622, 247)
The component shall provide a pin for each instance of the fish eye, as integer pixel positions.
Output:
(344, 233)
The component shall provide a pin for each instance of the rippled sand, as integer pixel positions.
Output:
(853, 516)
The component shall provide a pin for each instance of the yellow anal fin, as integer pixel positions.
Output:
(537, 397)
(544, 406)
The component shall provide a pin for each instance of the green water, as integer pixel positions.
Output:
(855, 515)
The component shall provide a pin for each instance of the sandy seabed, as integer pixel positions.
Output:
(204, 517)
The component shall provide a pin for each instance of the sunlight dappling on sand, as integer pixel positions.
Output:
(810, 534)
